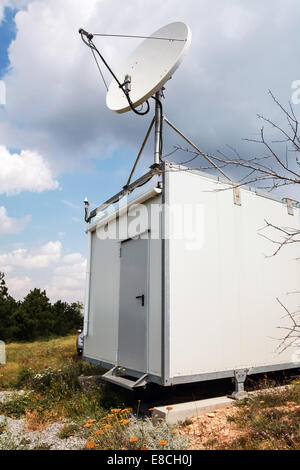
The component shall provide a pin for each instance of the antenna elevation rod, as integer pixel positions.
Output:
(196, 148)
(140, 153)
(158, 128)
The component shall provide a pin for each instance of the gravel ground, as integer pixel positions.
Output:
(15, 436)
(4, 396)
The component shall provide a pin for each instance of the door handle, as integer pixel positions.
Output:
(141, 297)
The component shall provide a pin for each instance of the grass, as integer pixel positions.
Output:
(68, 430)
(34, 357)
(55, 394)
(270, 421)
(48, 372)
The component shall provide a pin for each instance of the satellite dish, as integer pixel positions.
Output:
(149, 67)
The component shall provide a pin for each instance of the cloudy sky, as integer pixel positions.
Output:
(58, 141)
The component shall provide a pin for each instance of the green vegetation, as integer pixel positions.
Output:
(271, 421)
(44, 375)
(120, 429)
(48, 373)
(26, 359)
(35, 317)
(67, 431)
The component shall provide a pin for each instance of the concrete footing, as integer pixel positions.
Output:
(180, 412)
(183, 411)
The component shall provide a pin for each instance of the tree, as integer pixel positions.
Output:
(7, 308)
(34, 317)
(66, 317)
(3, 288)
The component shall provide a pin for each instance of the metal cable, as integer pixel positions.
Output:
(105, 84)
(139, 37)
(92, 46)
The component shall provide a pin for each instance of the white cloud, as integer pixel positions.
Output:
(42, 257)
(6, 269)
(15, 4)
(19, 287)
(55, 97)
(68, 281)
(25, 172)
(63, 278)
(72, 258)
(3, 4)
(10, 225)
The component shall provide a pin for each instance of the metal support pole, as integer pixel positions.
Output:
(157, 134)
(140, 153)
(206, 157)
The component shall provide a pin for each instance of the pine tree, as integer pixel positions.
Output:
(34, 317)
(7, 307)
(3, 288)
(67, 317)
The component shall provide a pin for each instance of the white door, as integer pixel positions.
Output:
(133, 310)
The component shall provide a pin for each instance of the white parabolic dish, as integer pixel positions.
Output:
(151, 64)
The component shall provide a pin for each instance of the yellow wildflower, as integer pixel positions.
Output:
(90, 444)
(125, 421)
(162, 443)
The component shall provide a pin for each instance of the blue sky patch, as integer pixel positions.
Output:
(7, 34)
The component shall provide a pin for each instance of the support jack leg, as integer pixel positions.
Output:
(239, 379)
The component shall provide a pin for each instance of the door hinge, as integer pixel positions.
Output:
(237, 196)
(290, 204)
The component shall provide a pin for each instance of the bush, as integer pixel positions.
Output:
(35, 317)
(121, 430)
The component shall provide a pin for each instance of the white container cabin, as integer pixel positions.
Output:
(170, 303)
